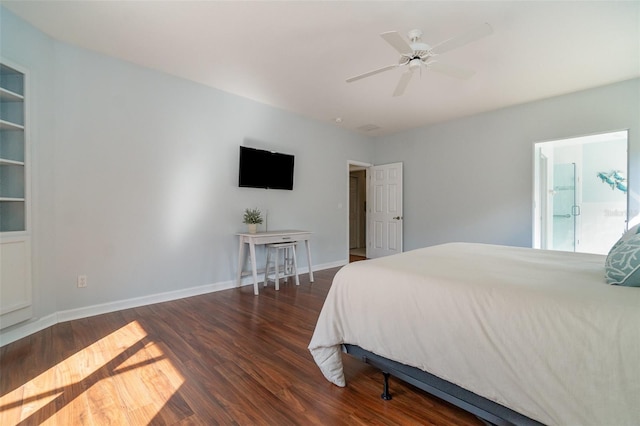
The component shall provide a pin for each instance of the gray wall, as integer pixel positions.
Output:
(472, 179)
(135, 176)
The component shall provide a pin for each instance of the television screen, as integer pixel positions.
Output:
(253, 167)
(280, 171)
(265, 169)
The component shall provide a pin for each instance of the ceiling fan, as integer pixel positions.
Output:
(417, 55)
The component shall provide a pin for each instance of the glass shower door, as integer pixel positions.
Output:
(565, 209)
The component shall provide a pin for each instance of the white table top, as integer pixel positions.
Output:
(266, 233)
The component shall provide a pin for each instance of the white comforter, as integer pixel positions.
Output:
(537, 331)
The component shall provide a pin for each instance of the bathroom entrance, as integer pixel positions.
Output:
(581, 193)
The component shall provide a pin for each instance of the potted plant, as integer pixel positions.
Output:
(252, 217)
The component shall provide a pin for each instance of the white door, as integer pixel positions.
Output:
(384, 211)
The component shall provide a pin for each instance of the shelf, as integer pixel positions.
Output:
(4, 161)
(7, 125)
(9, 96)
(12, 199)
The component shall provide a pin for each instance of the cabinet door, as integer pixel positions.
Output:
(15, 280)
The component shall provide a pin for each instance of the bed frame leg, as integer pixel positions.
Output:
(385, 390)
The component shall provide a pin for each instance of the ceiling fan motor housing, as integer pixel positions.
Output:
(420, 49)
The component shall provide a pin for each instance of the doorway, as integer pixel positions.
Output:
(580, 194)
(375, 210)
(357, 212)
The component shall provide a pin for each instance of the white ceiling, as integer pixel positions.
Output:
(296, 55)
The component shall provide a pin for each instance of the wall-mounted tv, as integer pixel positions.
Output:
(265, 169)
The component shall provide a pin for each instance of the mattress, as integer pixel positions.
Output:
(537, 331)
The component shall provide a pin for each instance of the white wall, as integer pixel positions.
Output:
(472, 179)
(146, 179)
(136, 176)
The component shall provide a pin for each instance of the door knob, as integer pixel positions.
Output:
(397, 217)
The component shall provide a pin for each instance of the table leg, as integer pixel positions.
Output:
(241, 261)
(254, 267)
(308, 244)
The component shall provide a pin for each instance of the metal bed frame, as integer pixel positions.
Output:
(486, 410)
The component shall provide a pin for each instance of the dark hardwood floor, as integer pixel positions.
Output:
(223, 358)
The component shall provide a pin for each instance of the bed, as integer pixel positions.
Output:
(537, 333)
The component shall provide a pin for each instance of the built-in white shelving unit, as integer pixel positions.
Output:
(15, 238)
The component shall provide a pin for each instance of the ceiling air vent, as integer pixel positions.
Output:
(369, 128)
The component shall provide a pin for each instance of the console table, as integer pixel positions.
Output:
(260, 238)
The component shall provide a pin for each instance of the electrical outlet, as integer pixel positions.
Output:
(82, 281)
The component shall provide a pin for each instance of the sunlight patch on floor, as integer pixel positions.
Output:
(123, 378)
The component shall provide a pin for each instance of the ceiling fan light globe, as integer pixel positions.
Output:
(414, 64)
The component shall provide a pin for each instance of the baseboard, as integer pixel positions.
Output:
(26, 328)
(33, 326)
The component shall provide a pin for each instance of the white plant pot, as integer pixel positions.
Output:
(253, 228)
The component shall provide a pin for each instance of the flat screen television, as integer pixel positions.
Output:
(265, 169)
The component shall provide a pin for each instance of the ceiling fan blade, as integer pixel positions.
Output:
(402, 84)
(370, 73)
(397, 42)
(450, 70)
(473, 35)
